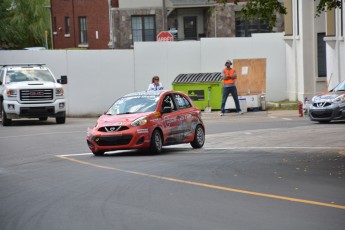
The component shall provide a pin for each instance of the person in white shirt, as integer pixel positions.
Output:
(155, 85)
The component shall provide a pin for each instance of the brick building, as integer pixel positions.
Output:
(80, 23)
(104, 24)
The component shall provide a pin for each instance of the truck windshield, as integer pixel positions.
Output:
(29, 75)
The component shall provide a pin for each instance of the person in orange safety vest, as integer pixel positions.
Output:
(229, 86)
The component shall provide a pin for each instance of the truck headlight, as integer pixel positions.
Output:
(59, 92)
(140, 121)
(11, 93)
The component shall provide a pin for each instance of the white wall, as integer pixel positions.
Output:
(97, 77)
(140, 4)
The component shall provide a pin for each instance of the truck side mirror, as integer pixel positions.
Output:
(63, 79)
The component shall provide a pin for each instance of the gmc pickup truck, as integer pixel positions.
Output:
(31, 91)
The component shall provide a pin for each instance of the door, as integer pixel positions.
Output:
(190, 29)
(171, 122)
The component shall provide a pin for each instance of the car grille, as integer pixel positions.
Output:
(322, 114)
(114, 140)
(36, 94)
(113, 128)
(322, 104)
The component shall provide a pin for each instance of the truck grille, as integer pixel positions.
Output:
(36, 94)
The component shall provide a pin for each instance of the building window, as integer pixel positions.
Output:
(67, 25)
(82, 30)
(143, 28)
(321, 55)
(54, 24)
(245, 28)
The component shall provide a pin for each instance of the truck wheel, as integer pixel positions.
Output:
(61, 120)
(5, 120)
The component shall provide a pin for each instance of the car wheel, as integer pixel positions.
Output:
(61, 120)
(43, 118)
(199, 137)
(5, 121)
(156, 142)
(98, 153)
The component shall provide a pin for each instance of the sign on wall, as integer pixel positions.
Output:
(165, 36)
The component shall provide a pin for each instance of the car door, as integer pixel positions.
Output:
(186, 117)
(171, 122)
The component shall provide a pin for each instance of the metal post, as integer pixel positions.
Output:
(111, 36)
(165, 27)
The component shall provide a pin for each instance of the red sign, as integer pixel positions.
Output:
(165, 36)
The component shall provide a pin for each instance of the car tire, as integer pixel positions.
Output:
(199, 137)
(60, 120)
(324, 122)
(43, 118)
(98, 153)
(5, 121)
(156, 143)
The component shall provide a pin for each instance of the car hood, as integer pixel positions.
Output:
(106, 120)
(328, 96)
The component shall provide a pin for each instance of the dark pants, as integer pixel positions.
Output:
(226, 92)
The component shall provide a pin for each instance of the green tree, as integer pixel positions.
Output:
(268, 9)
(23, 23)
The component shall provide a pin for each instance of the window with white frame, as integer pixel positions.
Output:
(143, 28)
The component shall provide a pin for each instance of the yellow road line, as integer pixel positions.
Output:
(207, 185)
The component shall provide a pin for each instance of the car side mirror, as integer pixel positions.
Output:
(167, 109)
(63, 79)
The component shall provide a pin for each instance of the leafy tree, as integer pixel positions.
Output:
(268, 9)
(23, 23)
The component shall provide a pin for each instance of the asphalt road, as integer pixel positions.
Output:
(256, 171)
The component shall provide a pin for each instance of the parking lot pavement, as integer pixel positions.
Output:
(303, 135)
(271, 113)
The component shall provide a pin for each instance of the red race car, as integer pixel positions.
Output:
(147, 120)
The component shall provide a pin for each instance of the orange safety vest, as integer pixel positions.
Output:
(229, 72)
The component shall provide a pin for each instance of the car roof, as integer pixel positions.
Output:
(148, 93)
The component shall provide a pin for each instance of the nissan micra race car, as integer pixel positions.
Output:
(147, 120)
(329, 106)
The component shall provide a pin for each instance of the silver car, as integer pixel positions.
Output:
(329, 106)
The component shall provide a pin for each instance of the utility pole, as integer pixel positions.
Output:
(111, 44)
(165, 27)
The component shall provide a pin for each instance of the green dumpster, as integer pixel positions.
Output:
(205, 89)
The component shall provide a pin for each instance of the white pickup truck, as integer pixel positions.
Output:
(31, 91)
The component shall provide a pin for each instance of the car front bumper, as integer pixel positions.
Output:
(133, 139)
(327, 113)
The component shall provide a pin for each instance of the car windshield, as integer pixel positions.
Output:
(29, 75)
(134, 104)
(340, 87)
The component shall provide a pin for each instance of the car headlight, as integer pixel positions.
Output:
(314, 99)
(11, 92)
(140, 121)
(339, 99)
(59, 92)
